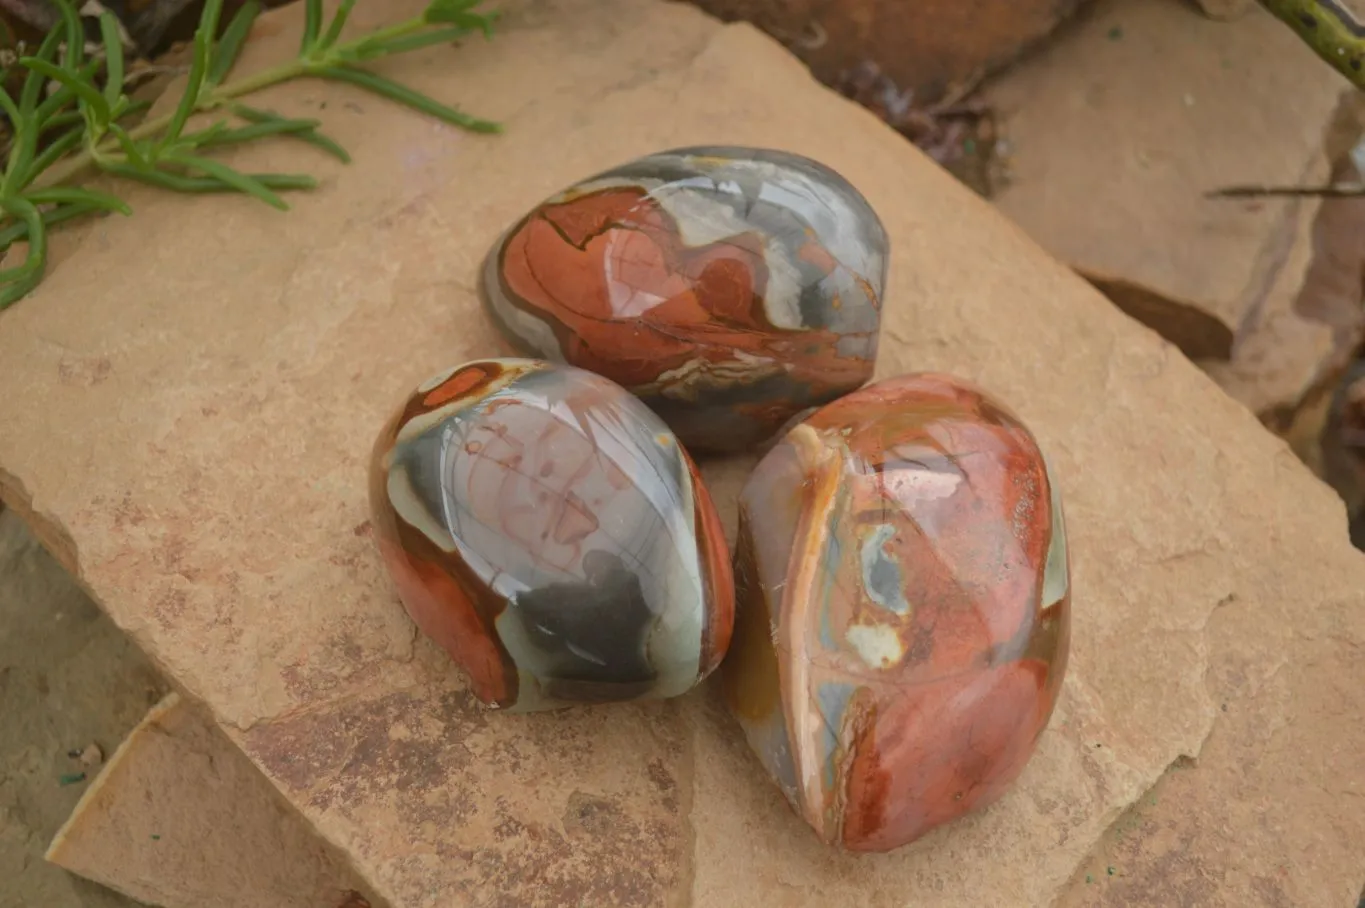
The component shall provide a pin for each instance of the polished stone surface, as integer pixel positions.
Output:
(547, 530)
(903, 621)
(729, 287)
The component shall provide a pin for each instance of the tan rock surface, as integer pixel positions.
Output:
(1121, 126)
(1291, 349)
(1333, 294)
(925, 47)
(181, 819)
(219, 384)
(1279, 353)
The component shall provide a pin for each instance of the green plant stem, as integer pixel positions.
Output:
(1330, 30)
(282, 72)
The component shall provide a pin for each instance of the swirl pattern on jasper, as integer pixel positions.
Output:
(903, 609)
(546, 529)
(728, 287)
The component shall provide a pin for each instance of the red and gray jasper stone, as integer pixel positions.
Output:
(903, 609)
(730, 288)
(548, 531)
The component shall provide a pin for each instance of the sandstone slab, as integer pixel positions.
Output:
(179, 818)
(1121, 127)
(224, 375)
(1280, 353)
(1294, 348)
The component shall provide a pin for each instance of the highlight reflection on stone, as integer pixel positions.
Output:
(548, 531)
(729, 287)
(903, 609)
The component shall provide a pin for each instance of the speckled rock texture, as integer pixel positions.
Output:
(189, 401)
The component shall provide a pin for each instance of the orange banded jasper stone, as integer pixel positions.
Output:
(730, 288)
(546, 529)
(903, 609)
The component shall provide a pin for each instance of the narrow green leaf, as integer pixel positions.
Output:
(18, 230)
(12, 234)
(26, 127)
(21, 146)
(130, 148)
(13, 292)
(203, 39)
(312, 25)
(75, 34)
(208, 20)
(81, 87)
(285, 180)
(370, 50)
(93, 125)
(25, 277)
(78, 195)
(11, 110)
(325, 143)
(63, 213)
(203, 137)
(230, 45)
(57, 149)
(34, 82)
(9, 274)
(261, 130)
(234, 178)
(254, 114)
(113, 58)
(188, 101)
(181, 183)
(312, 137)
(62, 120)
(59, 99)
(154, 178)
(444, 10)
(404, 95)
(459, 12)
(337, 24)
(163, 179)
(298, 129)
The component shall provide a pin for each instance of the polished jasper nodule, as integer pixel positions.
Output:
(548, 531)
(903, 609)
(729, 288)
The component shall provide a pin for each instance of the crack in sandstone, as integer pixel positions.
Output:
(312, 708)
(1118, 816)
(46, 527)
(1187, 757)
(1271, 261)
